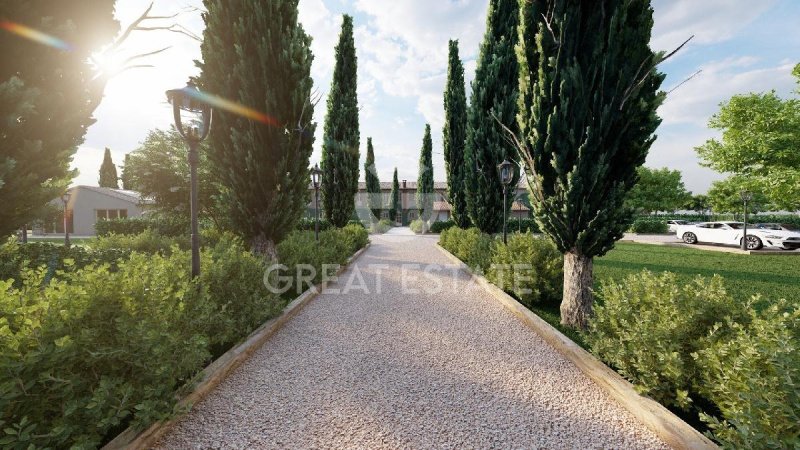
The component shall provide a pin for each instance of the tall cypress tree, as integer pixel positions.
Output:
(256, 53)
(125, 176)
(373, 183)
(47, 97)
(425, 178)
(395, 207)
(589, 94)
(455, 136)
(493, 106)
(108, 172)
(340, 148)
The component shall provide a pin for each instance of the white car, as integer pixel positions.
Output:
(730, 233)
(673, 225)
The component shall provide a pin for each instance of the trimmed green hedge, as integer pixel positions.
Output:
(649, 226)
(161, 224)
(308, 224)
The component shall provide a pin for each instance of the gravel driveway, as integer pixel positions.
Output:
(452, 369)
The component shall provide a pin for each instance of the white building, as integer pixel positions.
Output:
(89, 204)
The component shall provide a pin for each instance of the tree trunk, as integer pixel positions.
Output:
(262, 246)
(576, 307)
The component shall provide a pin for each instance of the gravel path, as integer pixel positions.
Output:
(452, 369)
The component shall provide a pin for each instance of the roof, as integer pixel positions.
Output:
(445, 206)
(121, 194)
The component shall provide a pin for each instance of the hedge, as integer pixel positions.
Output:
(161, 224)
(529, 268)
(649, 226)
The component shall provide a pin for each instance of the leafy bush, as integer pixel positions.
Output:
(649, 226)
(648, 326)
(165, 225)
(416, 226)
(98, 349)
(306, 224)
(529, 268)
(356, 236)
(439, 226)
(522, 226)
(381, 226)
(752, 376)
(470, 246)
(148, 241)
(357, 223)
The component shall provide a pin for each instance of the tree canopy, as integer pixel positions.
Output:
(374, 196)
(108, 172)
(425, 177)
(455, 137)
(657, 190)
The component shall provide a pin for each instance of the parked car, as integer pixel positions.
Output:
(673, 225)
(730, 233)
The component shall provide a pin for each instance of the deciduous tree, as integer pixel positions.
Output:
(658, 190)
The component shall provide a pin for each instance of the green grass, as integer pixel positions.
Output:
(774, 277)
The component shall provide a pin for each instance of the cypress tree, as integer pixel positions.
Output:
(395, 207)
(125, 176)
(455, 136)
(256, 53)
(373, 183)
(108, 172)
(340, 147)
(47, 97)
(425, 178)
(588, 100)
(493, 106)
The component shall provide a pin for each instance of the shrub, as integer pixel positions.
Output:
(529, 268)
(356, 222)
(438, 227)
(649, 226)
(416, 226)
(356, 236)
(148, 241)
(381, 226)
(165, 225)
(648, 326)
(306, 224)
(470, 246)
(752, 377)
(522, 226)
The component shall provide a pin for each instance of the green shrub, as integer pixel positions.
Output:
(649, 226)
(416, 226)
(381, 226)
(470, 246)
(648, 326)
(753, 377)
(529, 268)
(165, 225)
(356, 222)
(148, 241)
(356, 236)
(438, 227)
(306, 224)
(522, 226)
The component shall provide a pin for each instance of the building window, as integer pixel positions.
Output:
(111, 214)
(384, 214)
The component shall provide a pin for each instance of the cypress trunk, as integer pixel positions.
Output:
(576, 307)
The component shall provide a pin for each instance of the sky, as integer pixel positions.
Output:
(740, 46)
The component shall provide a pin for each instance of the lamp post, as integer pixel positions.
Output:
(316, 177)
(506, 169)
(65, 198)
(193, 121)
(746, 197)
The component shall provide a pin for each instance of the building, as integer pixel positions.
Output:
(89, 204)
(408, 201)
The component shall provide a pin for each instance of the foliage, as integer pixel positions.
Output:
(257, 55)
(585, 75)
(751, 376)
(394, 198)
(697, 203)
(455, 136)
(648, 326)
(309, 224)
(646, 225)
(159, 169)
(340, 145)
(493, 106)
(163, 224)
(108, 172)
(759, 142)
(148, 241)
(523, 226)
(725, 196)
(125, 176)
(149, 328)
(439, 226)
(416, 226)
(470, 246)
(657, 190)
(380, 227)
(529, 268)
(374, 195)
(425, 192)
(47, 97)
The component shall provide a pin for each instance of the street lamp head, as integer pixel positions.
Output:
(506, 170)
(746, 195)
(316, 175)
(65, 197)
(192, 114)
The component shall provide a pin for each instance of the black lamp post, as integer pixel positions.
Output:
(506, 169)
(316, 177)
(193, 121)
(65, 198)
(746, 197)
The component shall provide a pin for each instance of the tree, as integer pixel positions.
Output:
(341, 140)
(256, 53)
(395, 206)
(425, 178)
(657, 190)
(493, 106)
(374, 195)
(47, 97)
(760, 138)
(588, 100)
(697, 203)
(725, 196)
(125, 175)
(455, 137)
(108, 172)
(159, 169)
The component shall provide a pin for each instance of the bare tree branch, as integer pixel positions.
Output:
(637, 84)
(685, 81)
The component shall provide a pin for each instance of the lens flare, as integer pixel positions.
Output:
(34, 35)
(235, 108)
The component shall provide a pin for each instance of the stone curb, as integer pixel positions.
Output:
(218, 370)
(669, 427)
